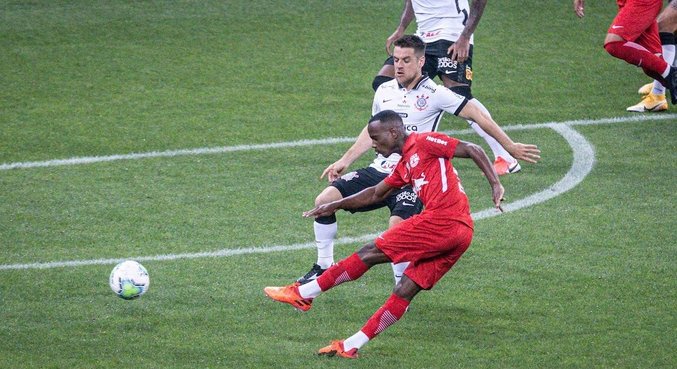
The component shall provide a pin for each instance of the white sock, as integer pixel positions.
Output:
(398, 270)
(669, 57)
(669, 52)
(495, 147)
(310, 290)
(324, 240)
(658, 88)
(357, 340)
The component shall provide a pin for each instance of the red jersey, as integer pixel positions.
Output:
(426, 165)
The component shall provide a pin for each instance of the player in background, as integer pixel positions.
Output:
(447, 28)
(433, 240)
(633, 37)
(654, 93)
(421, 103)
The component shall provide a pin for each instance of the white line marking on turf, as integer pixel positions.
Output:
(583, 161)
(278, 145)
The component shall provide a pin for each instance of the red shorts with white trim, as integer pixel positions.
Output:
(432, 244)
(636, 22)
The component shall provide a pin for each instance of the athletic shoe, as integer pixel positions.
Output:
(650, 102)
(503, 167)
(290, 295)
(312, 275)
(646, 89)
(336, 348)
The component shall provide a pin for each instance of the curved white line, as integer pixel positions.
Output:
(225, 149)
(583, 161)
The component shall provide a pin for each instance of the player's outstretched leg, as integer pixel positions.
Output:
(301, 296)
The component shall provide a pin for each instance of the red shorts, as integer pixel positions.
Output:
(636, 22)
(432, 244)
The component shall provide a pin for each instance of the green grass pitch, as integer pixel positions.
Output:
(586, 279)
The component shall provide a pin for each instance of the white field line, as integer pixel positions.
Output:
(583, 162)
(327, 141)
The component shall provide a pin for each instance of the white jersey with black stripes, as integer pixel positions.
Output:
(421, 109)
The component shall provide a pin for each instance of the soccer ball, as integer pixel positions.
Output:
(129, 280)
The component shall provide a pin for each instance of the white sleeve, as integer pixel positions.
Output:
(449, 101)
(375, 108)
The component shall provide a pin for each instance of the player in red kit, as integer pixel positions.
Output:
(633, 37)
(431, 241)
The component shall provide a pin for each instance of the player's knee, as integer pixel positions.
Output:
(371, 255)
(329, 194)
(394, 220)
(379, 80)
(406, 289)
(613, 48)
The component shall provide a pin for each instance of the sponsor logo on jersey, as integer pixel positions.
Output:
(386, 165)
(421, 102)
(436, 140)
(445, 62)
(413, 160)
(406, 196)
(468, 73)
(419, 182)
(411, 127)
(429, 34)
(430, 88)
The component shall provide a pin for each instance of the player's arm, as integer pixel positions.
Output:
(362, 144)
(526, 152)
(368, 196)
(405, 20)
(461, 48)
(477, 154)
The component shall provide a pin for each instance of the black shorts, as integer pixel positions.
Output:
(403, 202)
(438, 63)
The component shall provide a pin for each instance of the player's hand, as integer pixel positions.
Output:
(391, 40)
(528, 153)
(320, 211)
(334, 171)
(460, 50)
(497, 193)
(579, 8)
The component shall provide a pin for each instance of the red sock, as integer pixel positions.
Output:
(636, 54)
(385, 316)
(348, 269)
